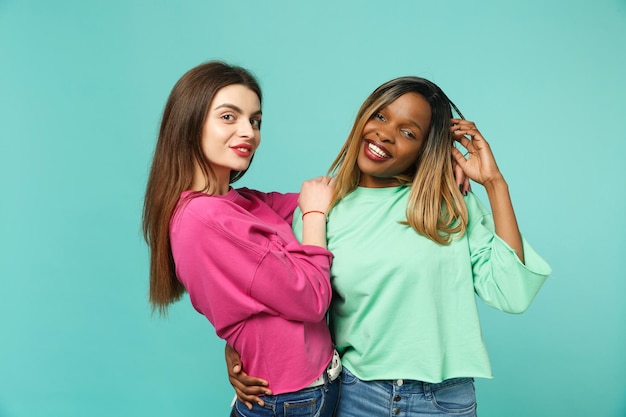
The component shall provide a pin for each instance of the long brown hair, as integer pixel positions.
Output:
(178, 149)
(435, 206)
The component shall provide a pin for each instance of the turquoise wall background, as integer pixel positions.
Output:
(82, 87)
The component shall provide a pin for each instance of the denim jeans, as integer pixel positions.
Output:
(406, 398)
(318, 401)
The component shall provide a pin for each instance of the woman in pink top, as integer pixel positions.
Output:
(233, 250)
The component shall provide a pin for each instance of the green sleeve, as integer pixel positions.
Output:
(501, 280)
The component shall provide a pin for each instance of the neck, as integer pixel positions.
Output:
(379, 183)
(203, 184)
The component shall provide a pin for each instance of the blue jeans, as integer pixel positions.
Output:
(308, 402)
(406, 398)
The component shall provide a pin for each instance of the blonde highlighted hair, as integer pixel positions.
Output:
(435, 207)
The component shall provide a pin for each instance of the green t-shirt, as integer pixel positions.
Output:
(404, 307)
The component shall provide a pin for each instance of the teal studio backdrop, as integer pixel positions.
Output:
(82, 87)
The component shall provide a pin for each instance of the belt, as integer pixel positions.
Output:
(332, 372)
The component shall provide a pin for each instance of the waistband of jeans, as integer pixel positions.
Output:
(332, 372)
(415, 386)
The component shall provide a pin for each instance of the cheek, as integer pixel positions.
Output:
(411, 155)
(361, 151)
(369, 126)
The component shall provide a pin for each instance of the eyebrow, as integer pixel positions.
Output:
(236, 109)
(418, 126)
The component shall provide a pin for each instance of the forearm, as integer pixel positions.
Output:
(314, 229)
(504, 215)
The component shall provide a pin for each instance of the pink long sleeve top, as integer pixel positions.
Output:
(265, 293)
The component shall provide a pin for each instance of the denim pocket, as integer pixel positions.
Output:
(456, 396)
(302, 408)
(302, 404)
(347, 378)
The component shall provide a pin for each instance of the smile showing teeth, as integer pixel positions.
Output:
(377, 151)
(242, 150)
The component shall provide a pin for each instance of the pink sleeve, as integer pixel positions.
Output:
(239, 268)
(283, 204)
(294, 280)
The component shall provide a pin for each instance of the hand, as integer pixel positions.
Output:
(480, 165)
(462, 180)
(246, 387)
(316, 194)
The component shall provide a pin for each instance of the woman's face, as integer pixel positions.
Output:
(231, 132)
(392, 140)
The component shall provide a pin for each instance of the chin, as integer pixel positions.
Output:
(240, 166)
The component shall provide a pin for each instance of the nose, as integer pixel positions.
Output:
(385, 136)
(245, 129)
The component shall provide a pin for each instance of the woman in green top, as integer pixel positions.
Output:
(411, 251)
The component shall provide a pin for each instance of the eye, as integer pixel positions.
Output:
(256, 123)
(380, 117)
(229, 117)
(408, 133)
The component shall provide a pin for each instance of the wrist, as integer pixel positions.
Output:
(314, 213)
(495, 184)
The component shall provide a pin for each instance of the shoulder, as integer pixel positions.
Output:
(196, 207)
(474, 206)
(204, 218)
(191, 201)
(249, 193)
(476, 210)
(271, 198)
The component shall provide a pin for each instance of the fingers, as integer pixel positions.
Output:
(466, 186)
(248, 399)
(324, 180)
(248, 384)
(461, 129)
(462, 124)
(249, 388)
(233, 360)
(316, 194)
(467, 134)
(478, 163)
(460, 161)
(246, 387)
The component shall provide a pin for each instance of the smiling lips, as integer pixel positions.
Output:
(375, 152)
(243, 149)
